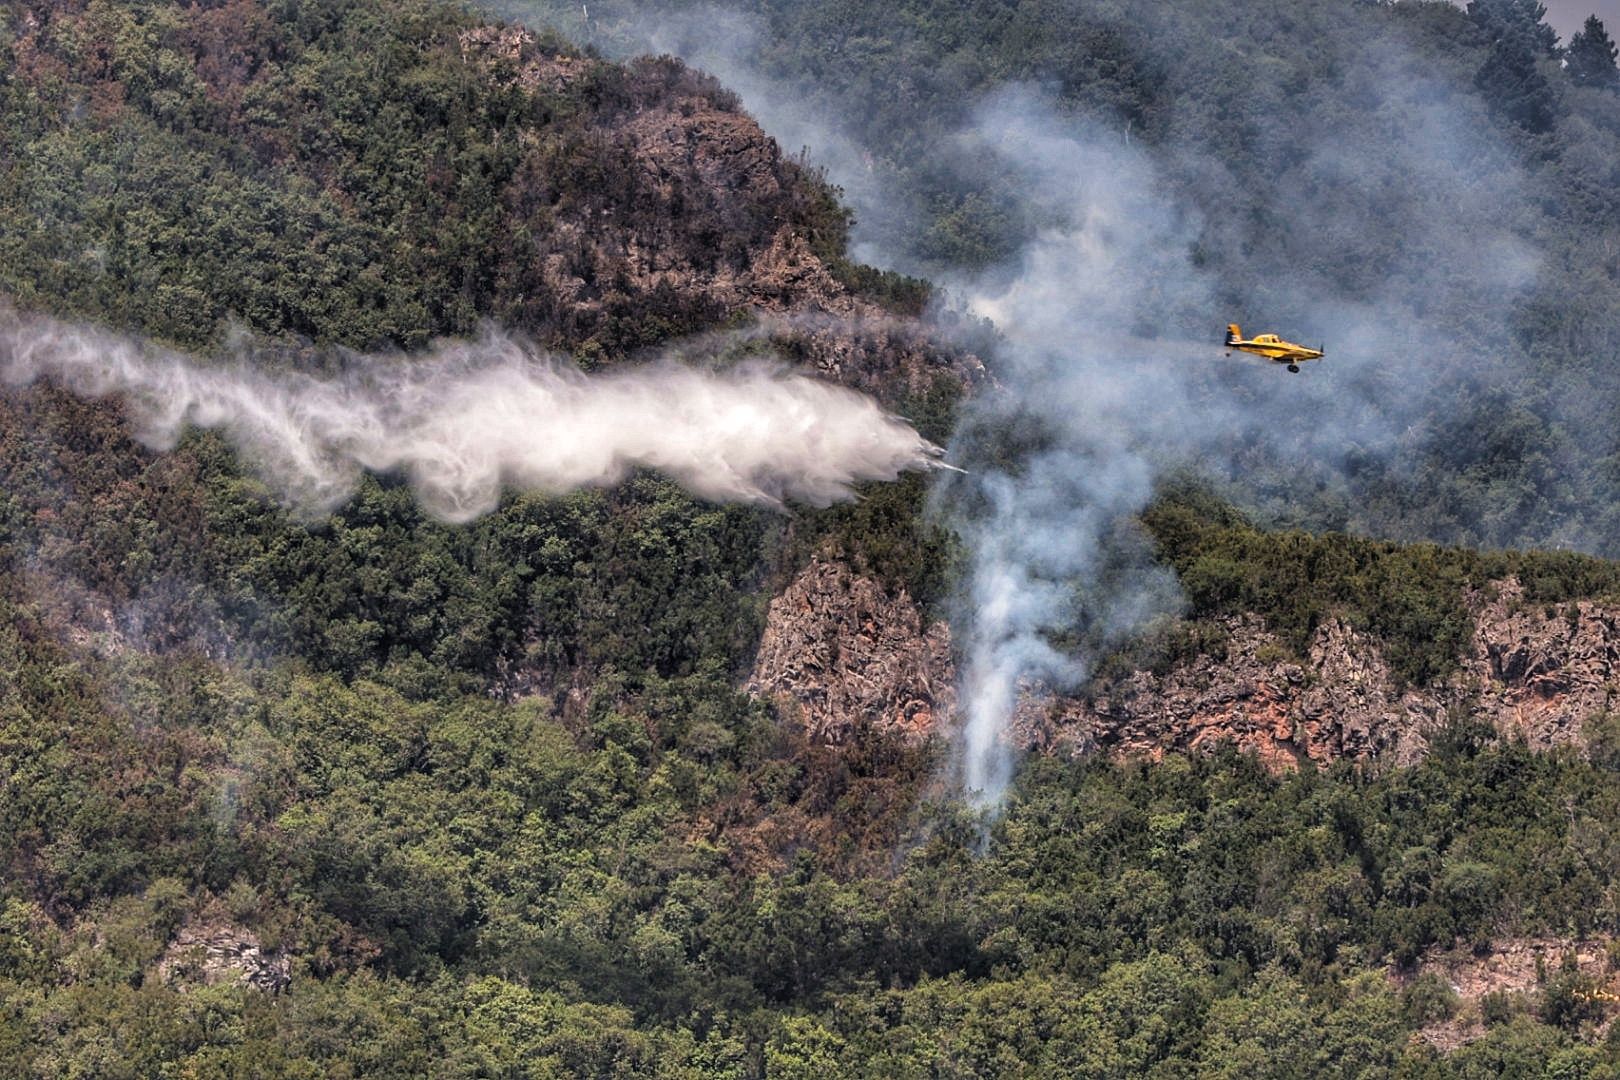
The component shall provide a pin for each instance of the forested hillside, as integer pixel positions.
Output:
(1421, 186)
(367, 794)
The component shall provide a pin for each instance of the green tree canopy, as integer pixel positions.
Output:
(1591, 56)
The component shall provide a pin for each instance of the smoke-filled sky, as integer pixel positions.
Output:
(1406, 262)
(474, 418)
(1567, 16)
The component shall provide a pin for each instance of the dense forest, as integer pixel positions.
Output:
(487, 801)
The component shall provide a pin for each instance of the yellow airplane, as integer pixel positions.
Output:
(1271, 347)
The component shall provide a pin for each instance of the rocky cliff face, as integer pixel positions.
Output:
(1532, 672)
(848, 655)
(1543, 669)
(1517, 968)
(211, 954)
(700, 213)
(1341, 703)
(695, 202)
(841, 652)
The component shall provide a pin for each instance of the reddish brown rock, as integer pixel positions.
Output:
(840, 651)
(845, 653)
(1252, 697)
(1543, 669)
(696, 201)
(1516, 967)
(1533, 671)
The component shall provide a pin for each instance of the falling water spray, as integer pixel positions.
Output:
(474, 418)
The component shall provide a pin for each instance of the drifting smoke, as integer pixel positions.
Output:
(1112, 356)
(474, 418)
(1393, 233)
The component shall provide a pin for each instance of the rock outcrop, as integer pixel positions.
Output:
(1533, 671)
(842, 652)
(1514, 967)
(1543, 669)
(1341, 703)
(845, 653)
(214, 953)
(698, 212)
(699, 216)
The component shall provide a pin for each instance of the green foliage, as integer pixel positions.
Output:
(885, 532)
(1591, 57)
(494, 789)
(1409, 596)
(1511, 79)
(469, 885)
(1496, 19)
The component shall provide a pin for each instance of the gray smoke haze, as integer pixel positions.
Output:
(1396, 236)
(474, 418)
(1113, 355)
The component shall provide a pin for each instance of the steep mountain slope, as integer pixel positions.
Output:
(1313, 686)
(247, 168)
(289, 200)
(621, 782)
(1419, 185)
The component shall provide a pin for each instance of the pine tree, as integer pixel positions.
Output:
(1501, 19)
(1512, 82)
(1592, 55)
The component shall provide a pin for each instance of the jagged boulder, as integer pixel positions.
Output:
(1351, 706)
(213, 953)
(1543, 669)
(841, 651)
(1342, 703)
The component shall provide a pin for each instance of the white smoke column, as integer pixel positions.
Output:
(1097, 314)
(474, 418)
(1078, 375)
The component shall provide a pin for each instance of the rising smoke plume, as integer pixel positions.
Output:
(1112, 354)
(1394, 232)
(474, 418)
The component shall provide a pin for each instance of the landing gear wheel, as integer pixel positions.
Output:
(1294, 368)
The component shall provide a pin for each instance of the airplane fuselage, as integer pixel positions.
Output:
(1271, 347)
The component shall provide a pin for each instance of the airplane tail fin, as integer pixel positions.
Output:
(1233, 333)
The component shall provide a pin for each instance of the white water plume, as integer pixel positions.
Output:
(474, 418)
